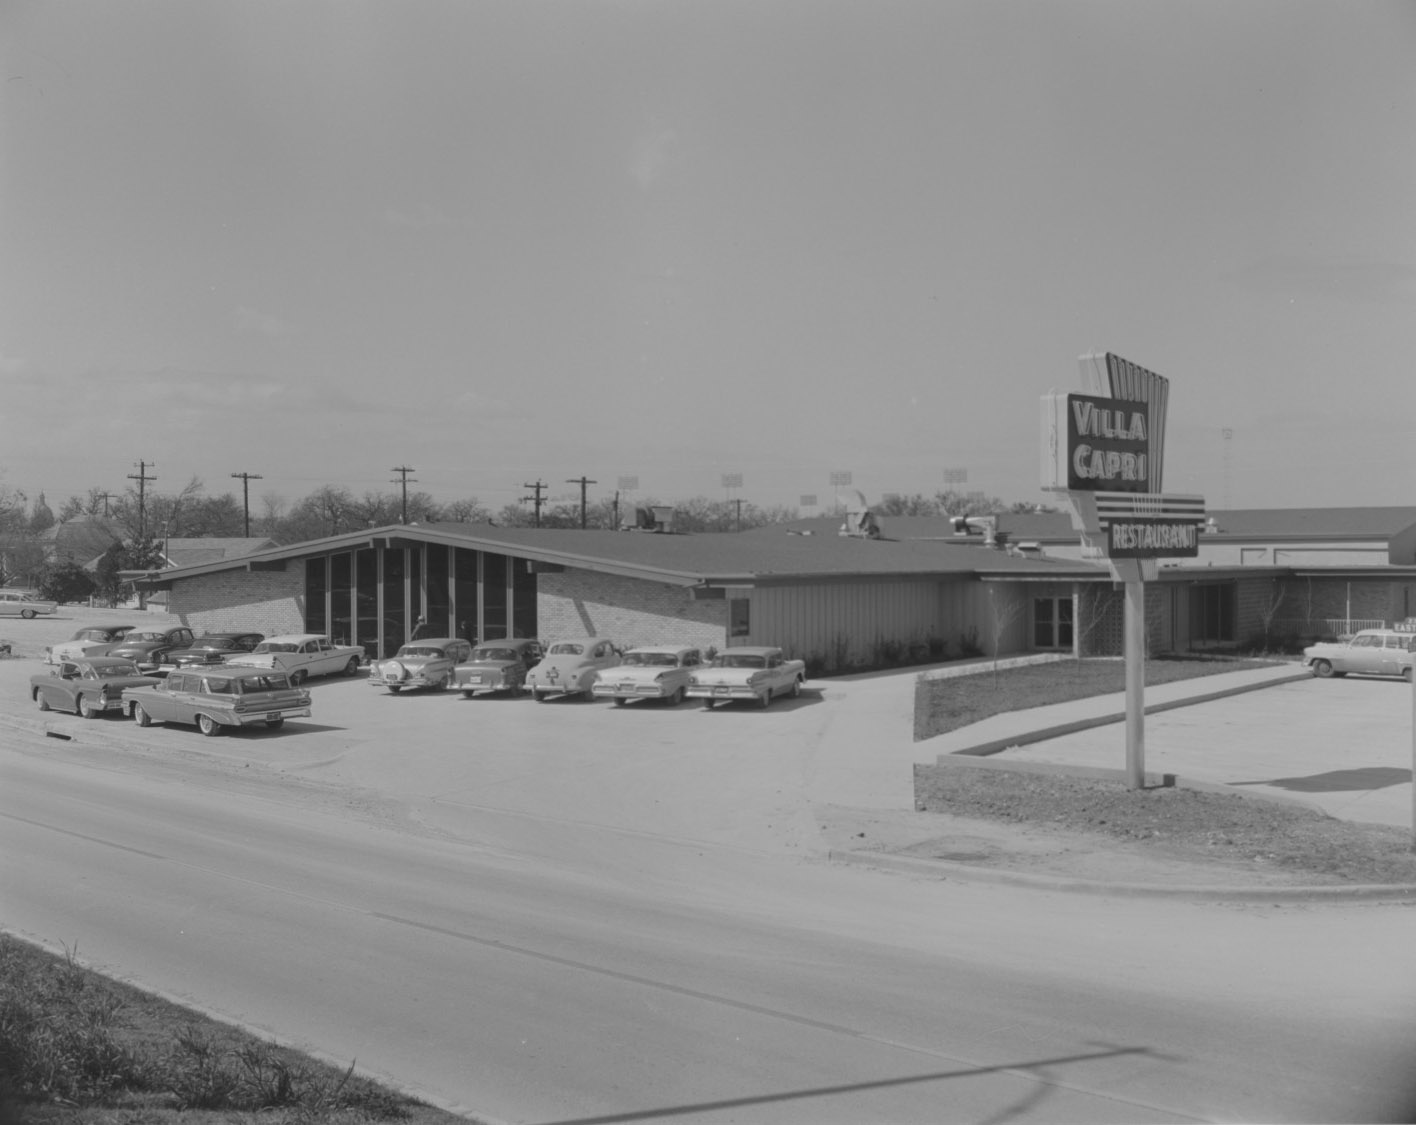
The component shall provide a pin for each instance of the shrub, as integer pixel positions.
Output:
(969, 644)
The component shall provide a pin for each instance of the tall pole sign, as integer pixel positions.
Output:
(1105, 450)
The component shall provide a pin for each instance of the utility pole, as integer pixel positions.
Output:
(142, 478)
(105, 497)
(537, 489)
(246, 479)
(582, 481)
(403, 471)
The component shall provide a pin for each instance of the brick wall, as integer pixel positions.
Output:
(630, 611)
(260, 601)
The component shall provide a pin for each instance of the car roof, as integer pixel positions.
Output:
(433, 641)
(749, 650)
(295, 638)
(674, 649)
(217, 636)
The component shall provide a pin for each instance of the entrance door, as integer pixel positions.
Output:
(1053, 623)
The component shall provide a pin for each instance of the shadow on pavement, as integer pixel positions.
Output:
(1339, 781)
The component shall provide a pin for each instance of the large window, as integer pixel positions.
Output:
(439, 609)
(494, 617)
(366, 594)
(523, 599)
(1212, 613)
(316, 591)
(1052, 623)
(341, 598)
(395, 613)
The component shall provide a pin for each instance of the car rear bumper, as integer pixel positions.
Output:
(250, 718)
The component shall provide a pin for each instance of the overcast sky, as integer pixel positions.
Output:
(500, 241)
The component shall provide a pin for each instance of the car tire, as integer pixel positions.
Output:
(468, 694)
(394, 689)
(86, 708)
(275, 724)
(796, 689)
(1406, 674)
(352, 668)
(208, 726)
(677, 697)
(140, 715)
(43, 703)
(708, 704)
(298, 677)
(765, 699)
(27, 614)
(620, 701)
(1323, 669)
(539, 697)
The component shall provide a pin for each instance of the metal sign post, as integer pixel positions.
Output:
(1105, 450)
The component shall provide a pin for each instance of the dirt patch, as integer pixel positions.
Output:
(1226, 834)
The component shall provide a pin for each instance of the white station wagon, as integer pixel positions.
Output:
(1372, 652)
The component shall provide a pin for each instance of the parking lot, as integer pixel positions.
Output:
(786, 779)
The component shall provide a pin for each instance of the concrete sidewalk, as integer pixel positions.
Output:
(1345, 746)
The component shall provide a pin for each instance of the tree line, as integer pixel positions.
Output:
(143, 523)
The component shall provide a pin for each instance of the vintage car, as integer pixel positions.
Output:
(148, 648)
(749, 672)
(569, 667)
(18, 603)
(420, 664)
(209, 649)
(216, 698)
(649, 672)
(86, 642)
(497, 666)
(88, 685)
(300, 656)
(1372, 652)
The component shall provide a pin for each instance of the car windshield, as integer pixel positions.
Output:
(744, 662)
(114, 671)
(275, 646)
(567, 649)
(652, 659)
(494, 654)
(420, 650)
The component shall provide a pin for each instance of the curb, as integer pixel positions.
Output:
(944, 870)
(1042, 734)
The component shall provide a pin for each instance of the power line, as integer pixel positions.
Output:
(246, 479)
(142, 478)
(582, 481)
(536, 499)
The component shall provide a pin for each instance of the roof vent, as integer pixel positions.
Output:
(657, 518)
(986, 526)
(860, 520)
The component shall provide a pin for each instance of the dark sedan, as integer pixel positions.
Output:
(148, 648)
(209, 649)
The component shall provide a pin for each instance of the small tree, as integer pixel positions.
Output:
(64, 582)
(1002, 614)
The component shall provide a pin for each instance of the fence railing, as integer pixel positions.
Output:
(1334, 626)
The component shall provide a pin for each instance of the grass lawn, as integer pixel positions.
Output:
(77, 1048)
(948, 704)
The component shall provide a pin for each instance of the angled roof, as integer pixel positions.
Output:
(775, 554)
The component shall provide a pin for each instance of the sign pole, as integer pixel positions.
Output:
(1134, 650)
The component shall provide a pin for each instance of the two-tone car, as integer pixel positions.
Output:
(209, 649)
(88, 641)
(497, 666)
(88, 686)
(19, 603)
(300, 656)
(649, 672)
(420, 664)
(1371, 652)
(752, 672)
(569, 667)
(148, 648)
(213, 699)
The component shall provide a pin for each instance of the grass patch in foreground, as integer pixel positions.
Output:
(77, 1048)
(958, 701)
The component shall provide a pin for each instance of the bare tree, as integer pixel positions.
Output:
(1002, 614)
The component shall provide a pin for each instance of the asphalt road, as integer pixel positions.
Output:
(573, 912)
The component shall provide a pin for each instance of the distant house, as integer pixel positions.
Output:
(839, 600)
(80, 539)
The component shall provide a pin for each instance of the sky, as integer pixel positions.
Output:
(799, 243)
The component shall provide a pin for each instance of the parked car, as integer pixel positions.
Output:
(649, 672)
(86, 642)
(1372, 652)
(421, 664)
(215, 698)
(148, 648)
(497, 666)
(301, 655)
(88, 686)
(569, 667)
(751, 672)
(209, 649)
(18, 603)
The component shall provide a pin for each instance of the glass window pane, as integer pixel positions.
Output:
(464, 593)
(494, 618)
(316, 589)
(366, 588)
(341, 597)
(395, 615)
(523, 599)
(439, 608)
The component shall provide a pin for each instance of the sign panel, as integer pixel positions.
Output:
(1108, 445)
(1146, 537)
